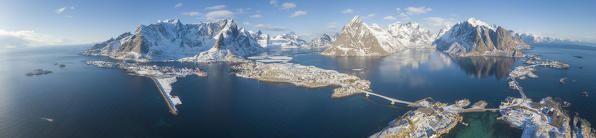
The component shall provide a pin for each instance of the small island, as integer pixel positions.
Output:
(304, 76)
(38, 72)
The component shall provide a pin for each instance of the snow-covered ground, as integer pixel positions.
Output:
(540, 119)
(543, 119)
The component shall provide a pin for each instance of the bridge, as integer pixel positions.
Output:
(477, 110)
(392, 100)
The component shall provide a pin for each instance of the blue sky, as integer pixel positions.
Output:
(43, 22)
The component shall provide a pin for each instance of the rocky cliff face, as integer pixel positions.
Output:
(519, 41)
(172, 40)
(476, 38)
(356, 39)
(360, 39)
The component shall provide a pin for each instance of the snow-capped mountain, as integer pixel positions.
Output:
(262, 38)
(411, 35)
(323, 41)
(171, 40)
(285, 40)
(359, 39)
(533, 39)
(476, 38)
(288, 40)
(356, 39)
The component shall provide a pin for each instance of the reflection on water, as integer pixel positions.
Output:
(483, 67)
(356, 64)
(413, 58)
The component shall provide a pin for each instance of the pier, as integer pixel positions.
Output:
(169, 102)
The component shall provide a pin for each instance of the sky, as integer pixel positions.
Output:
(30, 23)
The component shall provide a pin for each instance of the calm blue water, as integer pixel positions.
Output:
(86, 101)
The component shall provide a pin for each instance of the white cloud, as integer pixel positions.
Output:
(417, 10)
(216, 7)
(219, 14)
(368, 16)
(270, 27)
(299, 13)
(61, 10)
(332, 27)
(389, 18)
(273, 2)
(27, 38)
(404, 17)
(191, 13)
(256, 16)
(438, 21)
(398, 9)
(178, 5)
(287, 5)
(246, 23)
(346, 11)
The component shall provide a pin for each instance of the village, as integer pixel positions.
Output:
(304, 76)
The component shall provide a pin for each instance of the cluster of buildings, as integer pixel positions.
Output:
(430, 119)
(149, 70)
(304, 76)
(543, 119)
(540, 119)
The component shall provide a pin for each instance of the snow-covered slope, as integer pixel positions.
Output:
(172, 40)
(476, 38)
(359, 39)
(411, 35)
(323, 41)
(288, 40)
(285, 40)
(262, 38)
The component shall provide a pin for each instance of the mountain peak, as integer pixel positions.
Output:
(356, 19)
(475, 22)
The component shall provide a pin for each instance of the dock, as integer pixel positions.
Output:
(165, 96)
